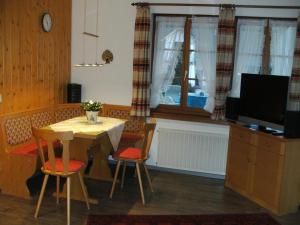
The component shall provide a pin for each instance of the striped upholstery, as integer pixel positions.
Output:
(225, 46)
(294, 91)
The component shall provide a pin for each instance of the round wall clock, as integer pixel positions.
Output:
(47, 22)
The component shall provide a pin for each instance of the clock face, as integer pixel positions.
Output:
(47, 22)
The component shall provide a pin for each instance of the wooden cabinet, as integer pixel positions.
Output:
(264, 168)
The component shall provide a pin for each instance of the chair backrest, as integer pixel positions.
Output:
(50, 137)
(149, 132)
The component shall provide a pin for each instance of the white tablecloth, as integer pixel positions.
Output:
(112, 126)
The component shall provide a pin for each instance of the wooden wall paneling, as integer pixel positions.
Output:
(7, 57)
(22, 52)
(1, 51)
(50, 62)
(34, 65)
(68, 52)
(28, 53)
(18, 90)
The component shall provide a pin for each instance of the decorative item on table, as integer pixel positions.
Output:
(92, 109)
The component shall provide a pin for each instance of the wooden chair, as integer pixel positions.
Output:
(59, 167)
(136, 155)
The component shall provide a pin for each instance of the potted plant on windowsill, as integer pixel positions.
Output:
(92, 109)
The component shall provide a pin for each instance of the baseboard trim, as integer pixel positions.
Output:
(200, 174)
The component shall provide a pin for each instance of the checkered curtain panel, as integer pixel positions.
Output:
(141, 64)
(294, 91)
(225, 50)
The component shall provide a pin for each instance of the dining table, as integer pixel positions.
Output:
(92, 143)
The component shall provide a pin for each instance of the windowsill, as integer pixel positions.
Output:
(184, 114)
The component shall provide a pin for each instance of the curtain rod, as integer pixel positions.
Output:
(216, 5)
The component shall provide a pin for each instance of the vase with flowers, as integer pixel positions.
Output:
(92, 109)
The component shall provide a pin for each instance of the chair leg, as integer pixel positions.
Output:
(57, 189)
(148, 177)
(83, 187)
(68, 200)
(140, 181)
(123, 175)
(134, 175)
(41, 195)
(115, 180)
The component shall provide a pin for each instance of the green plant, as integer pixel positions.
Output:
(92, 106)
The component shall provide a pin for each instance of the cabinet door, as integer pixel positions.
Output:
(267, 177)
(238, 165)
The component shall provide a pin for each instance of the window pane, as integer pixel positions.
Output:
(248, 52)
(283, 35)
(202, 68)
(167, 65)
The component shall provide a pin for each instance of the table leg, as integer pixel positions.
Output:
(100, 169)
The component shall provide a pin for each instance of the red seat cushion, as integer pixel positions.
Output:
(129, 153)
(74, 165)
(32, 148)
(131, 137)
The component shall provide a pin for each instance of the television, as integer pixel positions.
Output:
(263, 100)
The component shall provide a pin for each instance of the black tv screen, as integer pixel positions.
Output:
(264, 98)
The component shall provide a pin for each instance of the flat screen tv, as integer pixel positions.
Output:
(263, 100)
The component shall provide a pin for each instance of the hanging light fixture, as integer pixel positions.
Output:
(107, 56)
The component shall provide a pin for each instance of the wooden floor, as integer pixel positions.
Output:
(174, 194)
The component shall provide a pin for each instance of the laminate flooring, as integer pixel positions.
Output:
(174, 194)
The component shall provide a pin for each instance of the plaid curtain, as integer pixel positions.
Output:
(294, 91)
(141, 64)
(225, 47)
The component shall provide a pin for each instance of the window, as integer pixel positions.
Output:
(184, 62)
(283, 38)
(248, 50)
(263, 46)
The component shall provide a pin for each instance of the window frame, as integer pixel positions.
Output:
(182, 111)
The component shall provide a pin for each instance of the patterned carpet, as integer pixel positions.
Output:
(226, 219)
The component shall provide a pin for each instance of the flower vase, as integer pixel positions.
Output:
(92, 116)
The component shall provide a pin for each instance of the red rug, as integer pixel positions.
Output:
(226, 219)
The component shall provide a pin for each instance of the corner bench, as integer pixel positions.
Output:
(19, 157)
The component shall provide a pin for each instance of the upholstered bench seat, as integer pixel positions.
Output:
(28, 150)
(32, 149)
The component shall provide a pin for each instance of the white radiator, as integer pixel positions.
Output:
(192, 150)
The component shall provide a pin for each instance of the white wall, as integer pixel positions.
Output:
(113, 83)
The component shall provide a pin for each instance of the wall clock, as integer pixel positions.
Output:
(47, 22)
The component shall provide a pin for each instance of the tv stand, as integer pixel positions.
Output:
(264, 168)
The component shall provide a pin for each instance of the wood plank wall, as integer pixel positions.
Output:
(34, 65)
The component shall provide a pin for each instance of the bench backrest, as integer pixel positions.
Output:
(16, 128)
(67, 111)
(133, 124)
(43, 118)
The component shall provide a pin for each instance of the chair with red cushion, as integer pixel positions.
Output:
(136, 155)
(59, 167)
